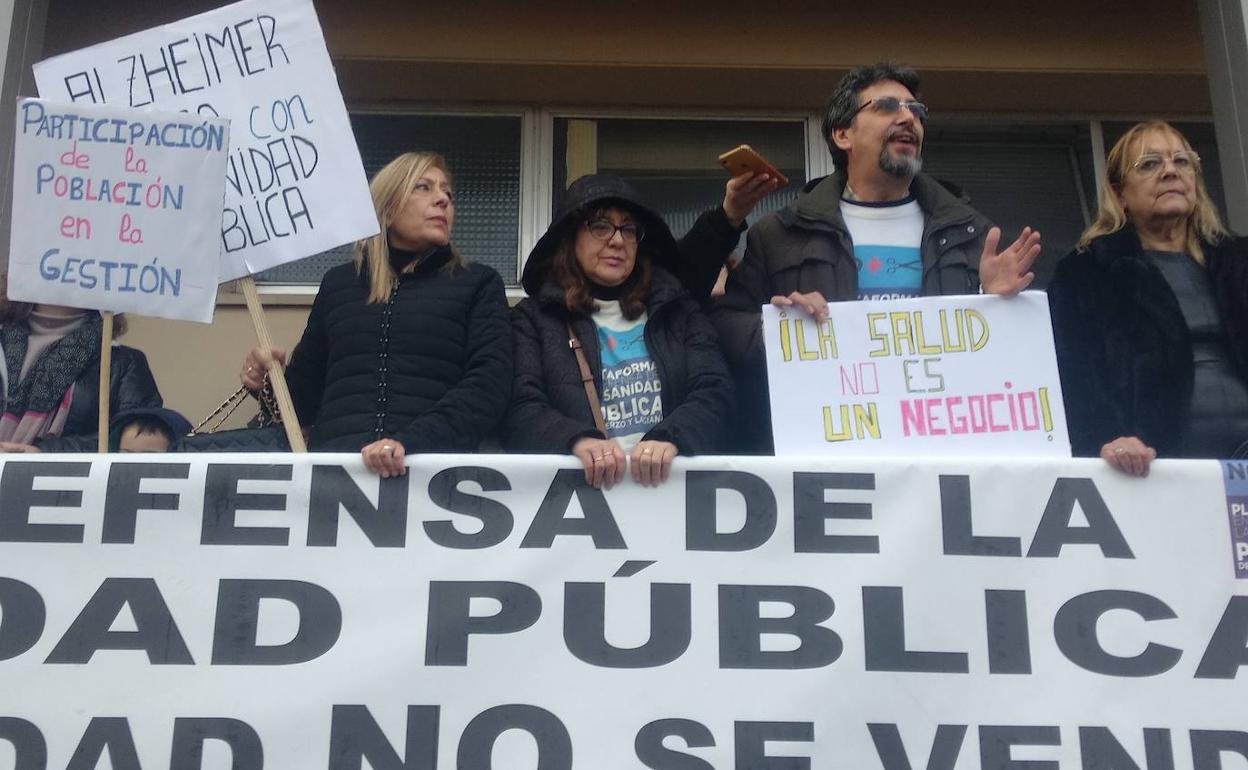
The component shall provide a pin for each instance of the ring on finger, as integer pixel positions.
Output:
(1119, 450)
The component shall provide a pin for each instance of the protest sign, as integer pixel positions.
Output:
(294, 182)
(117, 209)
(492, 611)
(962, 376)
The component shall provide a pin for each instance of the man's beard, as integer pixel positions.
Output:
(900, 166)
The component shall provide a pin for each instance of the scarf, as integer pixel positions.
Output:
(38, 405)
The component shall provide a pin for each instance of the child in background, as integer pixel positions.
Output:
(152, 429)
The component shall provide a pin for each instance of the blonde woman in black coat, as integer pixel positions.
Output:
(409, 349)
(1150, 314)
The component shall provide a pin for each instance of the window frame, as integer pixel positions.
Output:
(537, 127)
(302, 293)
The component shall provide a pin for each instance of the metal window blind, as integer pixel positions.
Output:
(484, 155)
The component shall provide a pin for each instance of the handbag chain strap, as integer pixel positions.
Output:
(269, 414)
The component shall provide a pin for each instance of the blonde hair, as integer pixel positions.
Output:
(1203, 226)
(390, 188)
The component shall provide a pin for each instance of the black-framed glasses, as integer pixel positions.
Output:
(604, 230)
(891, 105)
(1151, 163)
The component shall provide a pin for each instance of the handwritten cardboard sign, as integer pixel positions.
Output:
(117, 209)
(294, 182)
(962, 376)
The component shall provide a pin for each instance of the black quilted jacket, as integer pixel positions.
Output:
(432, 367)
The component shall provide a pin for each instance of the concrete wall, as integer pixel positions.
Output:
(1113, 57)
(197, 365)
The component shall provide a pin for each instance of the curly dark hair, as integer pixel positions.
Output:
(839, 110)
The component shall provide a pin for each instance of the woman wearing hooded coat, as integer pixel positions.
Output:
(604, 273)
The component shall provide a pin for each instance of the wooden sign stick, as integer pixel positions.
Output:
(106, 379)
(277, 375)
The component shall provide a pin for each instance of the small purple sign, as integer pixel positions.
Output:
(1235, 476)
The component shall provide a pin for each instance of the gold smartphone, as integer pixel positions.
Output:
(745, 160)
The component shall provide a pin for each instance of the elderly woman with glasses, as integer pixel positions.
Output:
(615, 362)
(1150, 314)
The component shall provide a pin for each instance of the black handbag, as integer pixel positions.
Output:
(271, 438)
(264, 433)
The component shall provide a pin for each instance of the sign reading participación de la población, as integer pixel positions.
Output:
(295, 185)
(959, 376)
(117, 209)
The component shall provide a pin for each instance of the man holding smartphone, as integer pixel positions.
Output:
(877, 228)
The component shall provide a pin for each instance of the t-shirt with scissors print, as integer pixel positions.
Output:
(887, 239)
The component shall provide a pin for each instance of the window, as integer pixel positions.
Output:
(1016, 172)
(483, 152)
(674, 162)
(1021, 175)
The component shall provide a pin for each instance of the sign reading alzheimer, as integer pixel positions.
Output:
(122, 215)
(967, 376)
(295, 185)
(298, 612)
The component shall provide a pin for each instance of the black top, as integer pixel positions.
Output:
(1217, 419)
(1124, 350)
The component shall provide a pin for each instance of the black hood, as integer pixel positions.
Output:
(589, 192)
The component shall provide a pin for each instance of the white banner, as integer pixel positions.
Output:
(295, 185)
(972, 376)
(117, 209)
(493, 612)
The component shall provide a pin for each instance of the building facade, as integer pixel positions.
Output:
(524, 97)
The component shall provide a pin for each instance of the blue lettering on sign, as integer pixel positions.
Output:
(123, 277)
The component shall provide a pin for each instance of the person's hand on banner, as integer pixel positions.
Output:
(809, 302)
(257, 364)
(1008, 272)
(12, 447)
(603, 459)
(1129, 455)
(384, 457)
(651, 462)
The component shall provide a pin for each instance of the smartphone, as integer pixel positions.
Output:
(745, 159)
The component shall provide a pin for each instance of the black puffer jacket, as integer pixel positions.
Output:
(431, 368)
(1123, 348)
(549, 408)
(131, 386)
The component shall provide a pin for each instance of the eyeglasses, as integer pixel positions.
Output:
(603, 230)
(1151, 163)
(891, 105)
